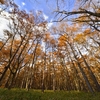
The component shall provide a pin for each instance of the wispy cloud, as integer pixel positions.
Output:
(23, 3)
(50, 24)
(45, 16)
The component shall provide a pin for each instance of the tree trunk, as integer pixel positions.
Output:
(91, 73)
(83, 73)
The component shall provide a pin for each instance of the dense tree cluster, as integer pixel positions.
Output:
(32, 58)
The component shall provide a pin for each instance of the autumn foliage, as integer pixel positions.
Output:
(66, 57)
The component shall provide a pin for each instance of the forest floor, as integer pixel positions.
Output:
(21, 94)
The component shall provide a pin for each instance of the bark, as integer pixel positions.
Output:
(91, 73)
(82, 71)
(79, 12)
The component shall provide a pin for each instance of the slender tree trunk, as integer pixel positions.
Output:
(43, 87)
(4, 72)
(91, 73)
(54, 82)
(83, 73)
(7, 82)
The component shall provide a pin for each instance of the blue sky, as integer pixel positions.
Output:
(46, 7)
(40, 5)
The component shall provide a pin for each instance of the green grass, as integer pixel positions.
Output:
(18, 94)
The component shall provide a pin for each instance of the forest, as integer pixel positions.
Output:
(63, 57)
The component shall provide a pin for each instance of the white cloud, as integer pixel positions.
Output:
(10, 9)
(45, 16)
(49, 24)
(3, 25)
(43, 45)
(4, 21)
(23, 3)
